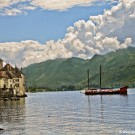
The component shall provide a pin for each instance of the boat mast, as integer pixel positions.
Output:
(88, 79)
(100, 76)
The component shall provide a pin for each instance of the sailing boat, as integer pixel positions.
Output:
(105, 91)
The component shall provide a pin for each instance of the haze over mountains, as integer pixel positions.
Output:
(117, 70)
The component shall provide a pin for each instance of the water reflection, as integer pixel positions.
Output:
(101, 108)
(98, 106)
(68, 113)
(10, 111)
(110, 111)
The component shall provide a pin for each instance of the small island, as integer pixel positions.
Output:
(12, 82)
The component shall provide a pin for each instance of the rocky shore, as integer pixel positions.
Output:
(12, 98)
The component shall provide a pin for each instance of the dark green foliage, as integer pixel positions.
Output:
(62, 74)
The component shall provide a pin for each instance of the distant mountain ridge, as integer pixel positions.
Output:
(117, 70)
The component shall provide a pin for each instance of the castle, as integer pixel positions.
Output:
(12, 81)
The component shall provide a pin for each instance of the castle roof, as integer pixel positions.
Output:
(9, 72)
(18, 71)
(4, 74)
(12, 74)
(8, 67)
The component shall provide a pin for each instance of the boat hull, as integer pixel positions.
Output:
(122, 91)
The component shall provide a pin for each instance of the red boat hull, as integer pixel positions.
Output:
(122, 91)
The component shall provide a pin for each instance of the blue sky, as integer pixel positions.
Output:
(43, 25)
(33, 31)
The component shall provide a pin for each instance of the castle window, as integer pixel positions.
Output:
(5, 80)
(17, 80)
(4, 86)
(17, 85)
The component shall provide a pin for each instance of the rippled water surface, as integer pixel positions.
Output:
(68, 113)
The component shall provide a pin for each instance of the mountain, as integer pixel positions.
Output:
(55, 73)
(117, 69)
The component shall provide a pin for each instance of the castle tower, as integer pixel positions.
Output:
(1, 63)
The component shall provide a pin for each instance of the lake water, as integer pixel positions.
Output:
(69, 113)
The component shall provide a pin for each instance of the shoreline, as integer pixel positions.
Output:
(16, 98)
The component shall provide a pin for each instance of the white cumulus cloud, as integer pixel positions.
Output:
(11, 12)
(113, 30)
(60, 4)
(7, 6)
(15, 7)
(28, 52)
